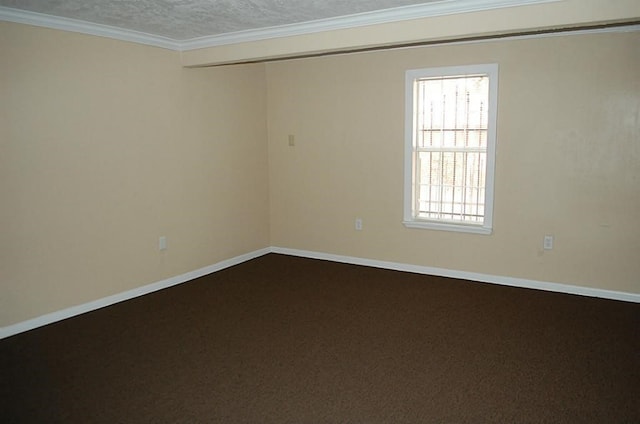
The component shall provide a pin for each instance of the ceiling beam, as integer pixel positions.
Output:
(474, 25)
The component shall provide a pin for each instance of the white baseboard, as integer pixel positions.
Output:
(129, 294)
(464, 275)
(442, 272)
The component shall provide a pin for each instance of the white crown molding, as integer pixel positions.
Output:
(439, 8)
(74, 25)
(404, 13)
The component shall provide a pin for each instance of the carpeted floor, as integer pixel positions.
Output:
(281, 339)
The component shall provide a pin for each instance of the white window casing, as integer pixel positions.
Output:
(450, 147)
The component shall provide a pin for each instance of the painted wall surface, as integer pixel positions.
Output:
(104, 147)
(568, 159)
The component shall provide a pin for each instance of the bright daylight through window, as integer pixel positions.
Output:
(450, 147)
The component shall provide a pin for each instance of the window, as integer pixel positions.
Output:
(450, 133)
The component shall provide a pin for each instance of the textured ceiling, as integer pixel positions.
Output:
(188, 19)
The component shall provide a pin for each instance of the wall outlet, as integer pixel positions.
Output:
(162, 243)
(292, 140)
(359, 224)
(547, 244)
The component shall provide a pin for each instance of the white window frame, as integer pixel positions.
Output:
(410, 220)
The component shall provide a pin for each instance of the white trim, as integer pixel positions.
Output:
(418, 269)
(377, 17)
(397, 14)
(84, 27)
(491, 70)
(129, 294)
(445, 226)
(465, 275)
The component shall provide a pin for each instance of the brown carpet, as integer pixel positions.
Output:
(290, 340)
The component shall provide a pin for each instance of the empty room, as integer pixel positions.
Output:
(390, 211)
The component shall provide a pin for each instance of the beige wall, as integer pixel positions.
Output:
(105, 146)
(568, 159)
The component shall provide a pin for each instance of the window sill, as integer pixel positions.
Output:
(441, 226)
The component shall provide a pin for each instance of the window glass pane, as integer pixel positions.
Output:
(452, 120)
